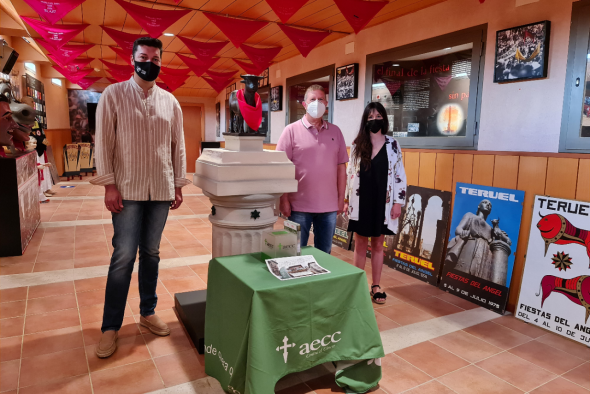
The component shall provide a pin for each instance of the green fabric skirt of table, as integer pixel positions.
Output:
(259, 328)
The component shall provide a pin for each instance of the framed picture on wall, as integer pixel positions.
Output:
(522, 52)
(276, 98)
(347, 81)
(218, 119)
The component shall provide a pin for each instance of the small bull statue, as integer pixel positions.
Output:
(245, 107)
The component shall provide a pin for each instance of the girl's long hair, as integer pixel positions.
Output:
(363, 146)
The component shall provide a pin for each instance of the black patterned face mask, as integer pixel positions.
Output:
(147, 71)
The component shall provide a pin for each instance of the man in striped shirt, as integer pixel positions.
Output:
(140, 160)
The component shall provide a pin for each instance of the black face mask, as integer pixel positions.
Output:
(147, 71)
(375, 125)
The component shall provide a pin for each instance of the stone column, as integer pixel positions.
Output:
(242, 182)
(500, 253)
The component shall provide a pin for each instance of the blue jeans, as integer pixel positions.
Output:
(324, 225)
(138, 225)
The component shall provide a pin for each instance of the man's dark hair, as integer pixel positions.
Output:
(4, 99)
(148, 42)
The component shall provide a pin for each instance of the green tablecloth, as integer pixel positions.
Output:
(259, 328)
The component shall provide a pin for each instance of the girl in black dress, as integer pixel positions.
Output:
(375, 192)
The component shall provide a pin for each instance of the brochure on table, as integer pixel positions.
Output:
(295, 267)
(555, 290)
(482, 244)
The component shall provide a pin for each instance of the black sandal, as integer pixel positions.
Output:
(380, 295)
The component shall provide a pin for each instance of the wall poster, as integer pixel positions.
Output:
(218, 119)
(418, 247)
(78, 103)
(482, 243)
(555, 290)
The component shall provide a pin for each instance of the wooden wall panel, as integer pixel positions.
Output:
(583, 189)
(483, 170)
(427, 169)
(562, 177)
(532, 172)
(443, 177)
(58, 138)
(506, 172)
(412, 166)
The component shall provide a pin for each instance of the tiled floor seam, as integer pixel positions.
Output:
(42, 278)
(90, 222)
(83, 339)
(22, 343)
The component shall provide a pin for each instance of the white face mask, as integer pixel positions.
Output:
(316, 109)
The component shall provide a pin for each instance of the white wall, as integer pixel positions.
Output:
(521, 116)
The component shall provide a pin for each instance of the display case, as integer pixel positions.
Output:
(20, 214)
(35, 89)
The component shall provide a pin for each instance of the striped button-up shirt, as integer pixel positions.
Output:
(139, 142)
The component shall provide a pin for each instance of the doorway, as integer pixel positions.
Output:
(191, 119)
(265, 125)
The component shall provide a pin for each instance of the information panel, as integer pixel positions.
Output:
(482, 243)
(555, 290)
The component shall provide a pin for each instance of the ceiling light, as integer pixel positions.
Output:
(26, 40)
(448, 49)
(169, 34)
(97, 69)
(395, 65)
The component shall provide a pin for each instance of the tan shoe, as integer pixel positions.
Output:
(155, 325)
(107, 344)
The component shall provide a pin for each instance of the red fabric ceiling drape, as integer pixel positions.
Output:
(86, 82)
(152, 20)
(58, 35)
(260, 56)
(74, 65)
(359, 13)
(197, 66)
(112, 80)
(176, 71)
(120, 76)
(122, 54)
(237, 30)
(75, 76)
(53, 11)
(221, 76)
(66, 53)
(124, 40)
(120, 68)
(163, 86)
(174, 81)
(304, 40)
(203, 50)
(392, 86)
(285, 9)
(250, 68)
(217, 86)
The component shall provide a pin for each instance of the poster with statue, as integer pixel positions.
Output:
(555, 290)
(418, 247)
(482, 244)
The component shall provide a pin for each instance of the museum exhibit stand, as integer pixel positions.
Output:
(20, 214)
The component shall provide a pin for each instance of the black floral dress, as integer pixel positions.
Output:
(372, 196)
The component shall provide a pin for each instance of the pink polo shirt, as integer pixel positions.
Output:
(316, 156)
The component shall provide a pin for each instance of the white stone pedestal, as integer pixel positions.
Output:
(242, 182)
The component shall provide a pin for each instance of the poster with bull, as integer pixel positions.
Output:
(482, 244)
(342, 237)
(418, 248)
(555, 290)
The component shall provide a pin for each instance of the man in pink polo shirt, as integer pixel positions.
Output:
(318, 150)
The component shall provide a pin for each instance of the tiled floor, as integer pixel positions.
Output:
(48, 332)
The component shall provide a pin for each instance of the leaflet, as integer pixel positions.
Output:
(286, 268)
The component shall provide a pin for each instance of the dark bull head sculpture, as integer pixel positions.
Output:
(237, 123)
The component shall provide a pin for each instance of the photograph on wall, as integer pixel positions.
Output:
(218, 119)
(427, 97)
(522, 52)
(555, 289)
(276, 98)
(418, 247)
(342, 238)
(482, 244)
(82, 107)
(347, 82)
